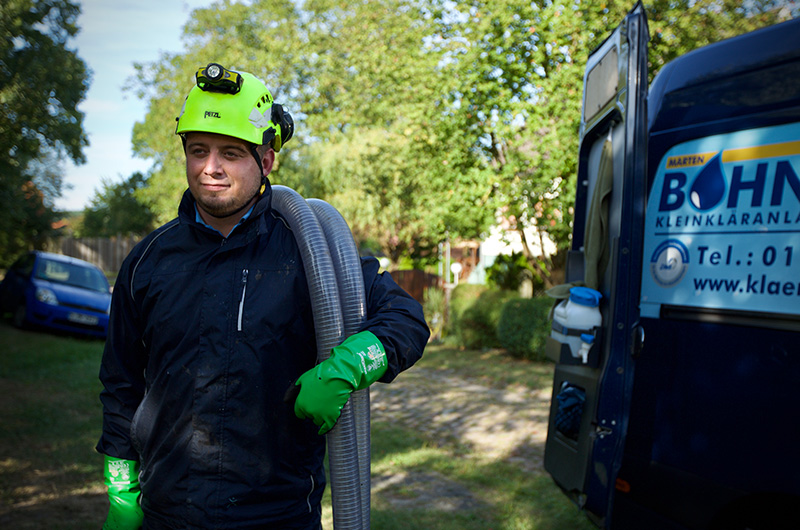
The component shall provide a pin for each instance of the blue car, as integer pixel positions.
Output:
(57, 292)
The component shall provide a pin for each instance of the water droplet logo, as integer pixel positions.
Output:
(708, 188)
(669, 263)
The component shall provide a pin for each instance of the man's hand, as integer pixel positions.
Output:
(355, 364)
(122, 479)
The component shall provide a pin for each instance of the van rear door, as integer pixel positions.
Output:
(588, 412)
(713, 430)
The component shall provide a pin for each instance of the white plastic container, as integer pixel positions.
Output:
(576, 316)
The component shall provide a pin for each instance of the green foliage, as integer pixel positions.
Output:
(475, 313)
(484, 317)
(366, 87)
(679, 27)
(524, 326)
(526, 61)
(41, 83)
(420, 119)
(462, 297)
(434, 305)
(114, 210)
(523, 63)
(508, 271)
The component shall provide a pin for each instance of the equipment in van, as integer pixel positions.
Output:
(575, 318)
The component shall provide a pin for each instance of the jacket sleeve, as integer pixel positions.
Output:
(395, 318)
(122, 371)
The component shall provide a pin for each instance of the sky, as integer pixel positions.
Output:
(115, 34)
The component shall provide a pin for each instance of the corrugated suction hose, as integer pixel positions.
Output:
(336, 286)
(347, 266)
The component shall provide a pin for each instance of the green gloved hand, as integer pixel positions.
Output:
(122, 479)
(355, 364)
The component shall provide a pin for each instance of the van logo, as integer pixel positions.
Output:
(708, 188)
(722, 225)
(669, 263)
(211, 114)
(676, 162)
(754, 181)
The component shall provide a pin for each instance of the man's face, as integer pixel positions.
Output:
(222, 174)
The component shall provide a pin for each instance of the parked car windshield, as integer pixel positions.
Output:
(71, 274)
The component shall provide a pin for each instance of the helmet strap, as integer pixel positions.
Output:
(254, 152)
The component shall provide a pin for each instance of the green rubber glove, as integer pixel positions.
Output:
(122, 479)
(355, 364)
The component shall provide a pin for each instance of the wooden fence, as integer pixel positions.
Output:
(105, 252)
(414, 282)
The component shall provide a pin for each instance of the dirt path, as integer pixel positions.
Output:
(508, 424)
(503, 424)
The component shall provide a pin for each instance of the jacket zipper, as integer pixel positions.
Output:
(311, 492)
(241, 302)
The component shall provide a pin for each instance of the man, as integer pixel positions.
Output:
(211, 324)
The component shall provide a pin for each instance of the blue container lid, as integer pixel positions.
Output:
(585, 296)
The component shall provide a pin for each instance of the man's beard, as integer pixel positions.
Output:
(227, 208)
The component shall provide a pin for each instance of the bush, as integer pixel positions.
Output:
(461, 298)
(509, 271)
(524, 326)
(435, 307)
(474, 315)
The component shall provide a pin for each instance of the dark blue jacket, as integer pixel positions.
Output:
(196, 367)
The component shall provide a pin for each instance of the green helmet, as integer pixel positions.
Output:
(234, 104)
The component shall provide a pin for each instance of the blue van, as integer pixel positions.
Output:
(685, 414)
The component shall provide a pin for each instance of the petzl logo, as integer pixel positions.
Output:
(751, 180)
(211, 114)
(669, 263)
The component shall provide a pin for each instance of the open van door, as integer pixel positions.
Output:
(586, 432)
(713, 426)
(687, 221)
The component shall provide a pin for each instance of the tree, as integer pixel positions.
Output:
(524, 63)
(679, 27)
(389, 153)
(114, 210)
(41, 84)
(368, 93)
(420, 119)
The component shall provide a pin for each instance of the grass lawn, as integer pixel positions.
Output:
(50, 420)
(50, 474)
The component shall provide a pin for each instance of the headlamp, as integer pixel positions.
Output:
(217, 78)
